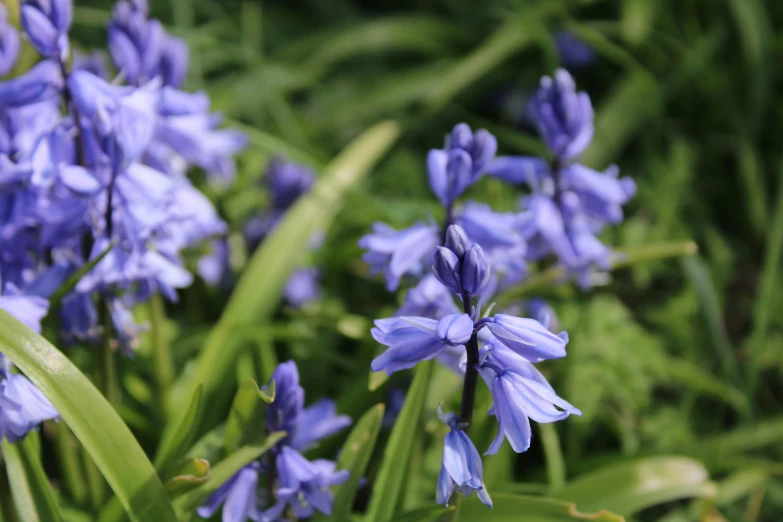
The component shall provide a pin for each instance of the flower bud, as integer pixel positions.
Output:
(457, 241)
(475, 271)
(447, 269)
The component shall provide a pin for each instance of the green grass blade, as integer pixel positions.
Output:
(185, 475)
(94, 422)
(390, 479)
(32, 494)
(258, 290)
(355, 456)
(247, 417)
(172, 448)
(427, 514)
(629, 487)
(513, 508)
(555, 464)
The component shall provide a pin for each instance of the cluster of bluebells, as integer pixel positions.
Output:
(478, 251)
(286, 483)
(92, 165)
(570, 203)
(286, 182)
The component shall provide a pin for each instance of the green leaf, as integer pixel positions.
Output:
(225, 469)
(259, 288)
(355, 456)
(629, 487)
(517, 508)
(390, 479)
(555, 464)
(94, 422)
(247, 417)
(427, 514)
(185, 475)
(739, 485)
(174, 447)
(32, 494)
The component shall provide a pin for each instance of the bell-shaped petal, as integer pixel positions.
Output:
(410, 340)
(237, 495)
(42, 82)
(455, 329)
(399, 252)
(284, 412)
(447, 268)
(475, 271)
(457, 240)
(318, 422)
(29, 309)
(528, 337)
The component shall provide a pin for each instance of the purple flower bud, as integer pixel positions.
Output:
(174, 62)
(124, 54)
(457, 240)
(455, 329)
(475, 271)
(447, 269)
(46, 25)
(450, 173)
(9, 43)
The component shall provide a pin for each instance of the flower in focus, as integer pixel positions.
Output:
(411, 340)
(461, 470)
(520, 393)
(460, 265)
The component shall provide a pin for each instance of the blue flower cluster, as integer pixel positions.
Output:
(476, 252)
(286, 183)
(302, 486)
(90, 167)
(570, 203)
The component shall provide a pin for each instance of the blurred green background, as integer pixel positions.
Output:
(675, 357)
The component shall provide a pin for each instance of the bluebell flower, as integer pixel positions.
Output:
(527, 337)
(29, 309)
(411, 340)
(22, 405)
(396, 253)
(461, 265)
(174, 62)
(238, 496)
(461, 470)
(542, 312)
(520, 393)
(460, 164)
(124, 327)
(46, 23)
(564, 117)
(317, 422)
(302, 287)
(135, 43)
(93, 62)
(304, 486)
(287, 182)
(574, 53)
(394, 403)
(9, 43)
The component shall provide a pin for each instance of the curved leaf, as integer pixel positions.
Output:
(94, 422)
(509, 508)
(629, 487)
(175, 446)
(247, 417)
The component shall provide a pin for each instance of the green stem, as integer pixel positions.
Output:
(95, 482)
(555, 465)
(107, 379)
(161, 351)
(70, 468)
(628, 257)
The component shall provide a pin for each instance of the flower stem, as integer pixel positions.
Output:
(471, 374)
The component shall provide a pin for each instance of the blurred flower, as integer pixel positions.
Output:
(29, 309)
(461, 470)
(573, 51)
(22, 405)
(305, 485)
(563, 116)
(460, 164)
(46, 23)
(238, 496)
(396, 253)
(302, 287)
(519, 393)
(429, 298)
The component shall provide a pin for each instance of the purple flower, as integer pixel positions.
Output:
(302, 287)
(461, 470)
(238, 496)
(527, 337)
(9, 43)
(414, 339)
(29, 309)
(94, 63)
(519, 393)
(396, 253)
(453, 169)
(317, 422)
(42, 82)
(22, 405)
(46, 23)
(563, 116)
(304, 486)
(287, 182)
(135, 43)
(573, 51)
(461, 265)
(430, 299)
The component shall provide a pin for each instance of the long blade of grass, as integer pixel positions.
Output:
(32, 494)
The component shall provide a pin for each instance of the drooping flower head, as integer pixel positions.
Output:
(22, 405)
